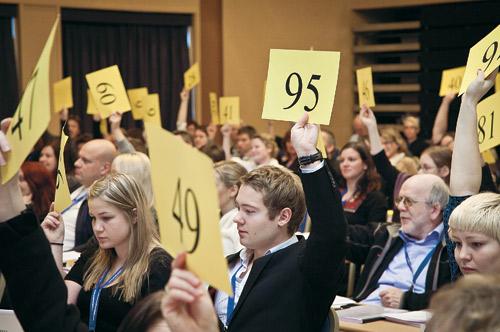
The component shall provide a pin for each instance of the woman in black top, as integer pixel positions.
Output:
(126, 264)
(362, 200)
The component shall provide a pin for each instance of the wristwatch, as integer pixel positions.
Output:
(306, 160)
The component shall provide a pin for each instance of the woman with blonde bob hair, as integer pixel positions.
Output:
(475, 230)
(127, 264)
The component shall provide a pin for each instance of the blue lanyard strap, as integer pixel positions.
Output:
(422, 265)
(230, 300)
(96, 293)
(78, 199)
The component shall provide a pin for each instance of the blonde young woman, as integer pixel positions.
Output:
(227, 179)
(474, 235)
(264, 151)
(128, 262)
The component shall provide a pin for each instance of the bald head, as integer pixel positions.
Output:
(104, 150)
(94, 161)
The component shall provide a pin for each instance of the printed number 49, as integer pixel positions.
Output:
(182, 215)
(298, 92)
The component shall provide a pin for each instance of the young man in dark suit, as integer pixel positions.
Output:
(280, 281)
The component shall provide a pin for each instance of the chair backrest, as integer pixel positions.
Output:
(331, 322)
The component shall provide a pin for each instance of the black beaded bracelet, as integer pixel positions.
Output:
(56, 243)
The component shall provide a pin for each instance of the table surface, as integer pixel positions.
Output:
(377, 326)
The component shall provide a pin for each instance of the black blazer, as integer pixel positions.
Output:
(293, 288)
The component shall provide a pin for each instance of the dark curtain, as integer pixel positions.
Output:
(9, 86)
(149, 51)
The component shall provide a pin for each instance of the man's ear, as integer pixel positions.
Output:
(284, 217)
(105, 168)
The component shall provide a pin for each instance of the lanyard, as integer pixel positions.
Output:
(230, 300)
(78, 199)
(96, 293)
(421, 266)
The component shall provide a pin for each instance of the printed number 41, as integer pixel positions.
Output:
(182, 215)
(298, 92)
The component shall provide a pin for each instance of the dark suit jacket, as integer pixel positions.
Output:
(25, 253)
(293, 288)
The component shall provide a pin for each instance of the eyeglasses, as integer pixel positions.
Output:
(407, 201)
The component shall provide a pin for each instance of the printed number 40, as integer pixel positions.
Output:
(298, 92)
(182, 215)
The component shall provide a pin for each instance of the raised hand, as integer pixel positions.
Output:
(53, 226)
(226, 130)
(367, 117)
(449, 97)
(478, 88)
(186, 305)
(115, 120)
(184, 95)
(304, 136)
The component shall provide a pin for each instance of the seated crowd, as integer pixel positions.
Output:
(413, 216)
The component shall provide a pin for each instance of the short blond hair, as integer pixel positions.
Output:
(138, 166)
(471, 304)
(412, 121)
(229, 172)
(280, 189)
(479, 213)
(392, 135)
(269, 143)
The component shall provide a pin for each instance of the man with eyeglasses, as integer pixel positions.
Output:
(405, 263)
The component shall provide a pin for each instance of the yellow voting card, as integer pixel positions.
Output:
(214, 108)
(488, 122)
(365, 87)
(136, 96)
(299, 81)
(187, 204)
(63, 94)
(229, 110)
(63, 198)
(451, 80)
(33, 113)
(497, 83)
(485, 55)
(489, 157)
(108, 91)
(91, 108)
(192, 77)
(152, 111)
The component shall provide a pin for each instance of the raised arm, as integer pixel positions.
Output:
(368, 118)
(226, 140)
(183, 110)
(384, 167)
(325, 248)
(53, 227)
(441, 122)
(465, 178)
(122, 143)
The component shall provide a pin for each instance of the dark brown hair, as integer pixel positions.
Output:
(370, 181)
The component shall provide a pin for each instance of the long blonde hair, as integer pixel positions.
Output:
(123, 192)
